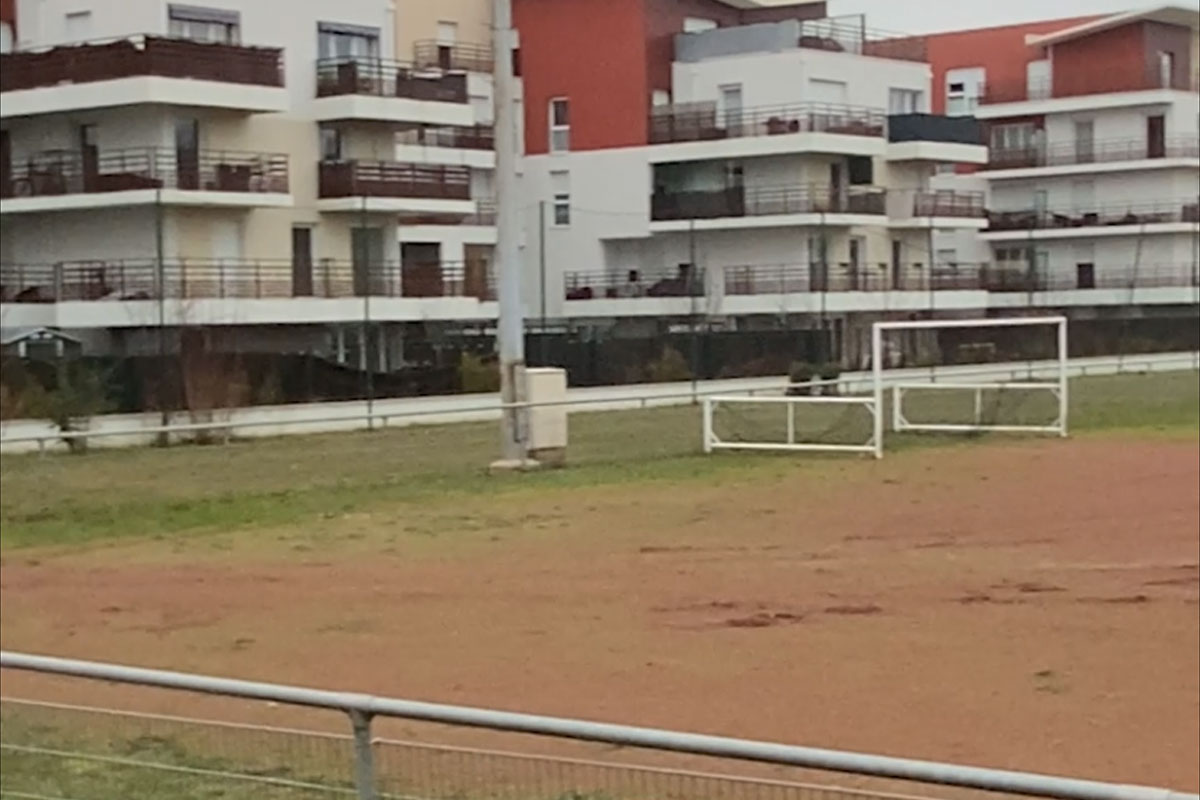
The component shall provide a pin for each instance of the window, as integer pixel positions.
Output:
(447, 35)
(963, 89)
(1085, 276)
(905, 101)
(346, 41)
(560, 185)
(203, 24)
(860, 170)
(560, 126)
(1037, 79)
(1166, 69)
(731, 106)
(660, 97)
(331, 144)
(6, 38)
(698, 24)
(1022, 136)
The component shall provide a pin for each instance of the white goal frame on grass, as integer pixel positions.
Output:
(1057, 387)
(874, 446)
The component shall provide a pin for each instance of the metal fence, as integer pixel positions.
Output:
(442, 411)
(73, 753)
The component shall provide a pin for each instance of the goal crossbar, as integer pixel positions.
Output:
(1058, 387)
(713, 442)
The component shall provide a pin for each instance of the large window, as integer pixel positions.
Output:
(905, 101)
(201, 24)
(964, 86)
(560, 126)
(1021, 136)
(335, 40)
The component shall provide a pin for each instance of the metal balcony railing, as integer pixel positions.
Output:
(848, 34)
(142, 279)
(380, 77)
(1187, 210)
(740, 201)
(947, 203)
(64, 172)
(1095, 152)
(691, 122)
(393, 179)
(476, 137)
(634, 283)
(141, 55)
(465, 56)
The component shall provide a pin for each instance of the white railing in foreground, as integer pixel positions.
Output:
(362, 708)
(283, 420)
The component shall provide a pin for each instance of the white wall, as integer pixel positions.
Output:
(1110, 189)
(77, 235)
(1126, 122)
(770, 79)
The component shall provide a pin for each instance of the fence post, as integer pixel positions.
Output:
(364, 762)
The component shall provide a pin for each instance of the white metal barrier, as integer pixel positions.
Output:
(901, 423)
(362, 708)
(712, 441)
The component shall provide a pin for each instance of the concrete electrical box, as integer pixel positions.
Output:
(547, 424)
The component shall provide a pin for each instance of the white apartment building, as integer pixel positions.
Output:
(228, 165)
(1093, 176)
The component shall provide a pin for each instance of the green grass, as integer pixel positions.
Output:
(130, 493)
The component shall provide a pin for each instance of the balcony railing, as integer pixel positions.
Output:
(140, 279)
(934, 128)
(634, 283)
(947, 203)
(380, 77)
(692, 122)
(138, 56)
(477, 137)
(465, 57)
(61, 172)
(393, 179)
(1082, 82)
(1115, 214)
(742, 201)
(1096, 152)
(847, 34)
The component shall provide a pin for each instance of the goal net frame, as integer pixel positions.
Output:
(874, 445)
(1057, 387)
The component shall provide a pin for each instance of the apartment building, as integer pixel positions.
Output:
(1093, 172)
(750, 165)
(226, 166)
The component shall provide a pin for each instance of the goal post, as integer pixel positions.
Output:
(779, 415)
(975, 383)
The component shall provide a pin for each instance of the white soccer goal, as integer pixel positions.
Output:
(957, 399)
(792, 423)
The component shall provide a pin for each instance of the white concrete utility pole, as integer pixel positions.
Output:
(510, 328)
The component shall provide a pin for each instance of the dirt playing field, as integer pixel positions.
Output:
(1027, 605)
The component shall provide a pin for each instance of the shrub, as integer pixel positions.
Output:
(669, 367)
(477, 374)
(799, 376)
(79, 395)
(829, 372)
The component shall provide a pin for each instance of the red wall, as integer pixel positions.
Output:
(1106, 61)
(1002, 52)
(8, 13)
(593, 52)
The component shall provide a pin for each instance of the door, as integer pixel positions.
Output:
(1083, 196)
(447, 37)
(818, 266)
(366, 247)
(1085, 276)
(1166, 70)
(1085, 141)
(302, 272)
(897, 264)
(857, 246)
(477, 271)
(837, 187)
(89, 157)
(421, 269)
(731, 108)
(187, 153)
(6, 187)
(1156, 138)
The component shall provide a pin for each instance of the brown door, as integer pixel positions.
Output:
(6, 187)
(1156, 138)
(89, 157)
(187, 154)
(302, 273)
(421, 269)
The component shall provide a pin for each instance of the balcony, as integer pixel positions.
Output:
(633, 284)
(63, 180)
(394, 187)
(931, 137)
(381, 90)
(1069, 90)
(844, 34)
(464, 57)
(941, 208)
(142, 69)
(1118, 219)
(793, 205)
(766, 130)
(472, 146)
(200, 279)
(1102, 152)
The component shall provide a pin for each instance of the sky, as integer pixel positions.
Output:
(927, 16)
